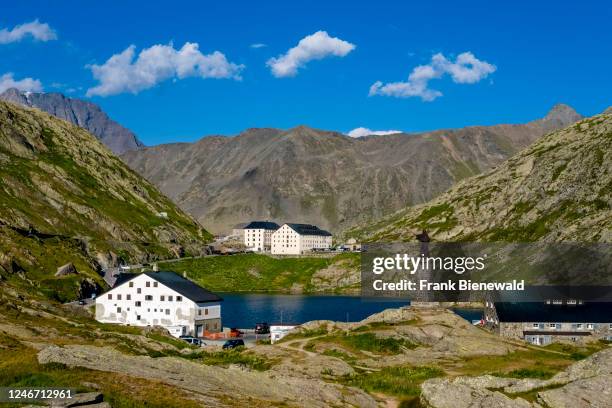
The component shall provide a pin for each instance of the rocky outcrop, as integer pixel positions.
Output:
(84, 114)
(225, 386)
(67, 269)
(326, 178)
(587, 383)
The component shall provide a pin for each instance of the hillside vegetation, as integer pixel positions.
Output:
(64, 197)
(558, 189)
(262, 273)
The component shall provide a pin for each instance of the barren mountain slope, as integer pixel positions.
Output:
(326, 178)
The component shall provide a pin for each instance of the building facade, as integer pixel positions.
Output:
(161, 299)
(258, 235)
(542, 323)
(296, 239)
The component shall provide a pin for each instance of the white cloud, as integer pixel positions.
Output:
(361, 131)
(466, 69)
(7, 81)
(36, 29)
(258, 45)
(312, 47)
(124, 73)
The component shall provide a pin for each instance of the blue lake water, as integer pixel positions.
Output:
(244, 310)
(469, 314)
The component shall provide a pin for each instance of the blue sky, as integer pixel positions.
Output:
(531, 55)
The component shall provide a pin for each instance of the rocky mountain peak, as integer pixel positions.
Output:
(84, 114)
(563, 113)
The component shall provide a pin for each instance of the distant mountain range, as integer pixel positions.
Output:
(65, 198)
(85, 114)
(327, 178)
(558, 189)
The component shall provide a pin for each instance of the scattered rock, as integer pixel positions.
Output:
(68, 269)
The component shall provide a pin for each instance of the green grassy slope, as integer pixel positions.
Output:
(261, 273)
(64, 197)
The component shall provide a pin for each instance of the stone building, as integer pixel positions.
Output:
(542, 323)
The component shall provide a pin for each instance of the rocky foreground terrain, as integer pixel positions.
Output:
(411, 357)
(557, 189)
(326, 178)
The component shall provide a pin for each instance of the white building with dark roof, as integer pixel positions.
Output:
(258, 235)
(296, 239)
(161, 299)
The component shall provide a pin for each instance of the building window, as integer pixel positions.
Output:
(148, 284)
(128, 297)
(167, 311)
(610, 326)
(199, 312)
(206, 312)
(137, 317)
(590, 326)
(148, 297)
(118, 310)
(552, 326)
(118, 297)
(131, 284)
(162, 298)
(138, 290)
(110, 296)
(170, 298)
(579, 326)
(137, 304)
(536, 325)
(180, 299)
(154, 284)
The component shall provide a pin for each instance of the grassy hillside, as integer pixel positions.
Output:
(64, 197)
(558, 189)
(261, 273)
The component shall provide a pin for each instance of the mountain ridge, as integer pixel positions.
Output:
(558, 189)
(324, 177)
(82, 113)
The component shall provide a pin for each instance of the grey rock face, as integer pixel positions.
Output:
(84, 114)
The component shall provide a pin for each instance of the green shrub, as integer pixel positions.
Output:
(399, 381)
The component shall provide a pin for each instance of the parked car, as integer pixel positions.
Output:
(262, 328)
(234, 332)
(232, 344)
(81, 302)
(192, 340)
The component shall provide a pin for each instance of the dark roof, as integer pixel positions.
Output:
(184, 286)
(588, 312)
(123, 277)
(267, 225)
(554, 333)
(176, 282)
(307, 229)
